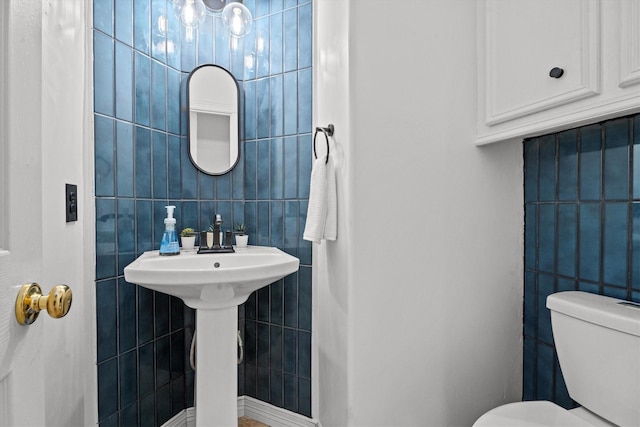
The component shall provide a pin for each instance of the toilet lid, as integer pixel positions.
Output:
(530, 414)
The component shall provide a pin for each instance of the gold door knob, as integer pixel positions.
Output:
(30, 302)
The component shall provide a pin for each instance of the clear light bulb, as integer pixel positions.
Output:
(190, 12)
(237, 19)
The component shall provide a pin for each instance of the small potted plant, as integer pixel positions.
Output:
(242, 238)
(188, 237)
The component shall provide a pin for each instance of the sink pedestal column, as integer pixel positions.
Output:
(216, 398)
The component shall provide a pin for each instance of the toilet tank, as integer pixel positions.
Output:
(597, 339)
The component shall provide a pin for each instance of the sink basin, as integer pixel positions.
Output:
(211, 281)
(214, 284)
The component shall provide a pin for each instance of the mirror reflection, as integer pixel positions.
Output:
(213, 99)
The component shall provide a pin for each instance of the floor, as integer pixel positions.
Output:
(248, 422)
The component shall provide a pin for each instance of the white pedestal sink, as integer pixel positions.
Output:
(213, 284)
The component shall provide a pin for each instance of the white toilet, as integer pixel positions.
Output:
(598, 343)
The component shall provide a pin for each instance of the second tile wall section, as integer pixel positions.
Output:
(582, 232)
(141, 164)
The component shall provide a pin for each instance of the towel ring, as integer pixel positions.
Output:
(328, 131)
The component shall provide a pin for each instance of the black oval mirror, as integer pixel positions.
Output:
(213, 98)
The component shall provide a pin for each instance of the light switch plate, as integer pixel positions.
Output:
(71, 202)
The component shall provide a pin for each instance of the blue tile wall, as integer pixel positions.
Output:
(141, 165)
(582, 232)
(275, 186)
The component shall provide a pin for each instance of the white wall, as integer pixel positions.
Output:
(331, 367)
(418, 305)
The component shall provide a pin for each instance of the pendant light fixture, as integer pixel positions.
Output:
(190, 12)
(237, 19)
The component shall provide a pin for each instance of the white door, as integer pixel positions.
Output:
(47, 369)
(20, 353)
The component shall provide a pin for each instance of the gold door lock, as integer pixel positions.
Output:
(30, 301)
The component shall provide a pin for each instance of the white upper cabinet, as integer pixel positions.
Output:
(525, 40)
(547, 65)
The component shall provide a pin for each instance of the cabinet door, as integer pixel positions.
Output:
(629, 43)
(524, 40)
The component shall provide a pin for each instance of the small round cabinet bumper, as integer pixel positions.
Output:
(30, 302)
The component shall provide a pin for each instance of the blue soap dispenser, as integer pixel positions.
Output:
(169, 244)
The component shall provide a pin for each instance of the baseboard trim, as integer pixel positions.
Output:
(273, 415)
(252, 408)
(180, 419)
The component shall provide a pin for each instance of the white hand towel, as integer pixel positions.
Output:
(322, 213)
(331, 225)
(317, 210)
